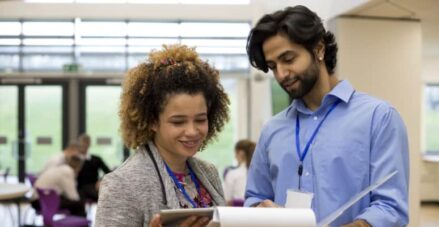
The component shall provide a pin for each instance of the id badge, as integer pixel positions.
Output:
(298, 199)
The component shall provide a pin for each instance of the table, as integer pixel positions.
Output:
(13, 193)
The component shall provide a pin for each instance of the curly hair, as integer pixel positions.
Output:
(301, 26)
(173, 70)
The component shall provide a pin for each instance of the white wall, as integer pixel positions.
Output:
(383, 58)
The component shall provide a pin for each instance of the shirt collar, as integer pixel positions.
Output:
(343, 90)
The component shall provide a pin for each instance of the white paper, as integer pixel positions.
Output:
(258, 217)
(297, 199)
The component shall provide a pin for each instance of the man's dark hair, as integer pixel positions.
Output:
(300, 25)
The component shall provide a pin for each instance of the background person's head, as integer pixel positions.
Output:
(71, 149)
(174, 99)
(75, 162)
(244, 151)
(84, 143)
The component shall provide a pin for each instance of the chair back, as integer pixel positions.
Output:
(6, 174)
(237, 202)
(32, 178)
(49, 202)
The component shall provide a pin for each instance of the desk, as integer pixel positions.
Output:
(13, 193)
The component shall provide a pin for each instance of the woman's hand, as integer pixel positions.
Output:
(195, 221)
(192, 221)
(156, 221)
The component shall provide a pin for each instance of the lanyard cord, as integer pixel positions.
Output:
(308, 144)
(181, 187)
(165, 199)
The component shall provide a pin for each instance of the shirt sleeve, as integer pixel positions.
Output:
(389, 152)
(259, 186)
(103, 166)
(68, 184)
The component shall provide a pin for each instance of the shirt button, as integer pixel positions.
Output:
(315, 118)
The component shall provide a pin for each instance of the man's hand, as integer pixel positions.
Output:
(358, 223)
(268, 203)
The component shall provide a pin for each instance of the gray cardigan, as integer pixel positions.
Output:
(132, 194)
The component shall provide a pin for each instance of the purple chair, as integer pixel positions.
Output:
(237, 202)
(49, 202)
(32, 178)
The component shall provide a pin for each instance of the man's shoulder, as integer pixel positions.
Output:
(60, 171)
(374, 104)
(95, 157)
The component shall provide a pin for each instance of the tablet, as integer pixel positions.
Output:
(175, 216)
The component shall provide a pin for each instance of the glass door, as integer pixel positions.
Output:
(8, 128)
(32, 126)
(43, 124)
(102, 122)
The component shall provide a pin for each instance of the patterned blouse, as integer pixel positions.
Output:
(202, 200)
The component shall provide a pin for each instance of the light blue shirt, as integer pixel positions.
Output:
(362, 140)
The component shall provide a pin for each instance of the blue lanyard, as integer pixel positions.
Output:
(305, 151)
(181, 188)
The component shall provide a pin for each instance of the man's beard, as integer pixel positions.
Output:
(307, 81)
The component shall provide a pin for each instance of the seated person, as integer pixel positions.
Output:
(62, 178)
(88, 177)
(235, 179)
(60, 158)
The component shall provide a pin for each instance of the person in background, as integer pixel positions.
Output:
(331, 141)
(88, 176)
(62, 179)
(61, 158)
(171, 107)
(236, 179)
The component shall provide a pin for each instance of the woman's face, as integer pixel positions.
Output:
(182, 126)
(240, 156)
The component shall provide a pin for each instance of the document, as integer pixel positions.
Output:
(262, 217)
(243, 216)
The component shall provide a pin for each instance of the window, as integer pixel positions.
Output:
(431, 119)
(279, 98)
(115, 46)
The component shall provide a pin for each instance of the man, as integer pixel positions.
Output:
(62, 179)
(61, 158)
(88, 177)
(331, 141)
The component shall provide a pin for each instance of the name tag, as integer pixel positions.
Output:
(297, 199)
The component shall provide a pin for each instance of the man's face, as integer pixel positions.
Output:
(293, 66)
(84, 145)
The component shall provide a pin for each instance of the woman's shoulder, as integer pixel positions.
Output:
(203, 164)
(136, 167)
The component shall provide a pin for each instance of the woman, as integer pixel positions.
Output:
(236, 179)
(171, 107)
